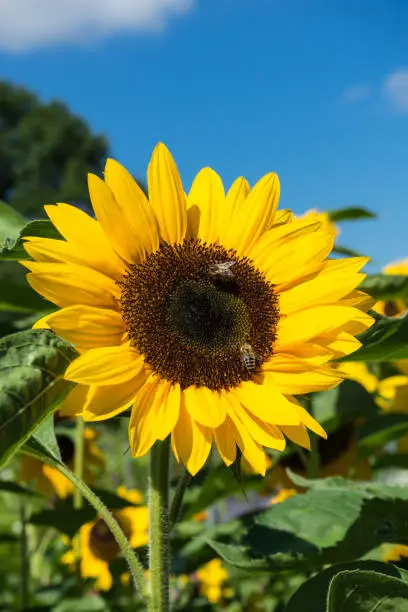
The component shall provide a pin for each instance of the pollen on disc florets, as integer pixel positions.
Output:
(190, 316)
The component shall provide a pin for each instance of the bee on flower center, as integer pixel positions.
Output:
(248, 356)
(222, 269)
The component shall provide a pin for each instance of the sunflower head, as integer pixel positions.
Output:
(397, 307)
(206, 312)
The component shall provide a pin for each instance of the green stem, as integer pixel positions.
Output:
(135, 566)
(313, 466)
(178, 498)
(79, 473)
(159, 526)
(25, 561)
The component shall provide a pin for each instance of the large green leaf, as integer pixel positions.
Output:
(32, 365)
(367, 591)
(386, 340)
(385, 286)
(89, 603)
(11, 223)
(13, 248)
(311, 596)
(336, 520)
(350, 213)
(16, 295)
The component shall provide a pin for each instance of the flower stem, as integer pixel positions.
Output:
(79, 473)
(178, 498)
(135, 566)
(159, 526)
(25, 561)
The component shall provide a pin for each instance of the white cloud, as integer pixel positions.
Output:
(395, 89)
(26, 24)
(356, 93)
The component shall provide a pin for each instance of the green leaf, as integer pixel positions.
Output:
(217, 484)
(385, 286)
(64, 517)
(311, 596)
(391, 460)
(367, 591)
(13, 249)
(386, 340)
(8, 486)
(11, 223)
(342, 250)
(380, 430)
(44, 435)
(90, 603)
(32, 386)
(68, 519)
(336, 520)
(16, 294)
(343, 405)
(351, 213)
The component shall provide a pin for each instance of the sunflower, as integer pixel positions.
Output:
(99, 547)
(207, 312)
(50, 481)
(323, 218)
(211, 578)
(394, 308)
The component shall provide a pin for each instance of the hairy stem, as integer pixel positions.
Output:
(136, 568)
(79, 473)
(159, 526)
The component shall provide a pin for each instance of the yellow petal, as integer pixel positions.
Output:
(206, 206)
(74, 402)
(359, 300)
(331, 283)
(105, 402)
(237, 193)
(308, 351)
(49, 250)
(154, 414)
(87, 327)
(282, 217)
(42, 323)
(280, 235)
(306, 324)
(166, 195)
(264, 434)
(251, 450)
(205, 406)
(254, 215)
(85, 233)
(225, 443)
(191, 442)
(119, 224)
(266, 402)
(297, 434)
(289, 379)
(110, 365)
(296, 258)
(340, 343)
(69, 284)
(137, 209)
(307, 419)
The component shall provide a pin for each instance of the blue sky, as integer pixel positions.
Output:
(316, 90)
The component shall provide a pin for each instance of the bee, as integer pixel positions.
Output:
(222, 269)
(248, 356)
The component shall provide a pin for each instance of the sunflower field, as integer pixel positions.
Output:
(203, 404)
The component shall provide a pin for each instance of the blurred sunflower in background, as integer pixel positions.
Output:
(48, 480)
(98, 545)
(206, 312)
(211, 578)
(393, 308)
